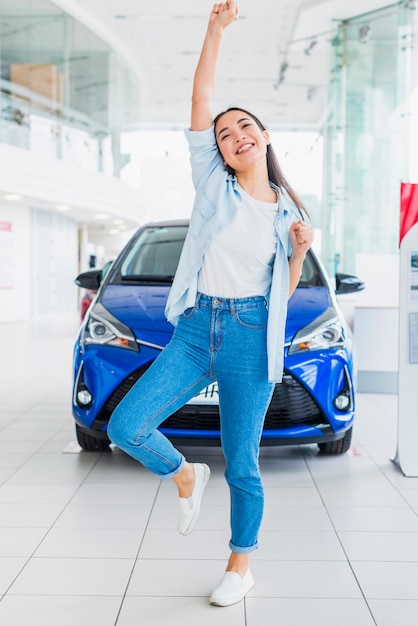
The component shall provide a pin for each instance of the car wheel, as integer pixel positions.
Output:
(337, 447)
(90, 443)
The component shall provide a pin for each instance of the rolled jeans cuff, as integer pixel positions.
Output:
(241, 550)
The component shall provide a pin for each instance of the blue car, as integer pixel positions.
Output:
(125, 329)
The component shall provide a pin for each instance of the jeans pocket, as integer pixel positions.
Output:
(252, 318)
(188, 313)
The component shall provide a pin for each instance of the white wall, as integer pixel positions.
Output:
(373, 315)
(54, 263)
(15, 289)
(40, 263)
(43, 244)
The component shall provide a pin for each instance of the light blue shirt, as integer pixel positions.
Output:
(217, 199)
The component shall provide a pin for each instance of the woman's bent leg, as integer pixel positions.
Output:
(172, 380)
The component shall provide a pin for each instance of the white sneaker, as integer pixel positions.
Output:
(232, 589)
(190, 507)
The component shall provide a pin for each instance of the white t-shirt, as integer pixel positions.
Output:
(239, 261)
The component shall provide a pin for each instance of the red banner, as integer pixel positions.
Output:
(409, 208)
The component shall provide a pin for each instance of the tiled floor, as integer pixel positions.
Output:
(90, 538)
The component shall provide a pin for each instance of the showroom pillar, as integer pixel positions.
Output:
(407, 446)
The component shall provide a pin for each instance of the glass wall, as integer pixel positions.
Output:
(366, 135)
(63, 91)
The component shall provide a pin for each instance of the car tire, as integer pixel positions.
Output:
(337, 447)
(90, 443)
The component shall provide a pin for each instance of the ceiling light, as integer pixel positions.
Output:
(311, 93)
(283, 69)
(113, 231)
(364, 34)
(101, 216)
(117, 221)
(311, 46)
(12, 197)
(62, 207)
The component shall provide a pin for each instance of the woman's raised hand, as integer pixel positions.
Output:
(301, 237)
(223, 13)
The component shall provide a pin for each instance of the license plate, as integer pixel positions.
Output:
(208, 395)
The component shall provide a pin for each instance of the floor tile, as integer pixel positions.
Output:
(20, 541)
(299, 545)
(175, 577)
(374, 519)
(9, 569)
(91, 543)
(104, 516)
(59, 610)
(74, 577)
(61, 461)
(355, 495)
(307, 612)
(410, 496)
(47, 476)
(303, 579)
(179, 611)
(44, 494)
(296, 518)
(115, 494)
(394, 612)
(13, 460)
(387, 581)
(287, 496)
(28, 515)
(201, 544)
(380, 546)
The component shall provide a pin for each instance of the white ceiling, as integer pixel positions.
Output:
(162, 40)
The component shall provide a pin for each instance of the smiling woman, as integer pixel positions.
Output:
(241, 260)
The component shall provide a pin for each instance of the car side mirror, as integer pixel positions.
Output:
(347, 283)
(89, 280)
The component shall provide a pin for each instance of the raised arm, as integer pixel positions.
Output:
(223, 13)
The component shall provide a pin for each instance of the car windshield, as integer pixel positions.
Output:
(312, 275)
(153, 255)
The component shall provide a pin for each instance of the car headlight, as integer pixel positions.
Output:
(103, 328)
(325, 332)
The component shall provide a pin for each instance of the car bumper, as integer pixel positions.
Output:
(302, 409)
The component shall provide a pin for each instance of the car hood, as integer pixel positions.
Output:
(141, 307)
(305, 305)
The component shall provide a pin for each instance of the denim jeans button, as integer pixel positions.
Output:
(215, 301)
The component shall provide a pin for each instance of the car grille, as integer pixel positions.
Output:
(291, 405)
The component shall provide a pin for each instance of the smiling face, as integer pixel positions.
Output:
(241, 141)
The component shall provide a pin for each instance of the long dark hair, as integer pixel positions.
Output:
(275, 173)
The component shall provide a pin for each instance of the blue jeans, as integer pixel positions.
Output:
(218, 339)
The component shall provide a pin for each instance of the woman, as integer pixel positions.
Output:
(241, 260)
